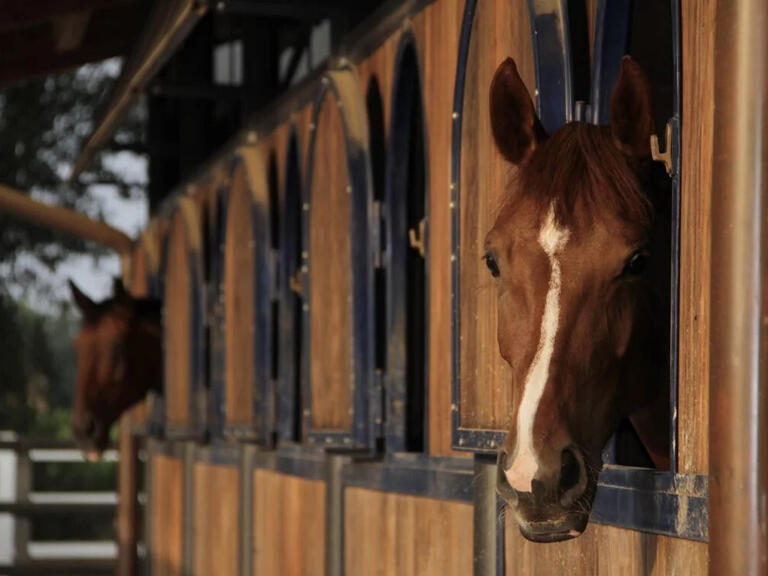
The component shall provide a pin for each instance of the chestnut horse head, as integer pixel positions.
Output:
(578, 320)
(119, 359)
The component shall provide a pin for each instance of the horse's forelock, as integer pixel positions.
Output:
(579, 165)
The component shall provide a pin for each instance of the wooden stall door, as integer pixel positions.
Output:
(388, 534)
(215, 523)
(167, 518)
(499, 29)
(289, 525)
(184, 310)
(330, 259)
(339, 322)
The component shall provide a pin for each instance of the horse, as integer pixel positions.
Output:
(580, 324)
(119, 360)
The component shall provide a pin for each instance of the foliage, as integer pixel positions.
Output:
(38, 370)
(43, 124)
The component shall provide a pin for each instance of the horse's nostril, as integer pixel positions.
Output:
(570, 470)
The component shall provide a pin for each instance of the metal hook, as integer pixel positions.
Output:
(294, 282)
(416, 239)
(665, 156)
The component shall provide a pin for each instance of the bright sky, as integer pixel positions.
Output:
(93, 276)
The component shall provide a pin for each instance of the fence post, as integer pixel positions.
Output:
(23, 488)
(485, 558)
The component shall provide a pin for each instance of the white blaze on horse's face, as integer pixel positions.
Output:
(521, 473)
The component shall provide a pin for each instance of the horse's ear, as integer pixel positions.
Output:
(86, 306)
(631, 111)
(121, 295)
(516, 128)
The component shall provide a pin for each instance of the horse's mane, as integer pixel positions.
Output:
(144, 309)
(579, 164)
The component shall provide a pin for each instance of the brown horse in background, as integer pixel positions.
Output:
(119, 360)
(579, 322)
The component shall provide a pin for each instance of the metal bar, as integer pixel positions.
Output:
(188, 516)
(191, 92)
(179, 22)
(26, 509)
(738, 402)
(247, 458)
(334, 515)
(127, 509)
(484, 510)
(22, 206)
(61, 567)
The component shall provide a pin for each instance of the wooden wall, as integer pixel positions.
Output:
(289, 525)
(166, 516)
(178, 324)
(330, 262)
(239, 301)
(604, 550)
(215, 523)
(698, 21)
(388, 534)
(500, 29)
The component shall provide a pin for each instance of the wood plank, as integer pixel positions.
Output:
(239, 302)
(330, 273)
(215, 524)
(500, 29)
(289, 525)
(165, 549)
(178, 324)
(603, 550)
(400, 535)
(698, 23)
(436, 29)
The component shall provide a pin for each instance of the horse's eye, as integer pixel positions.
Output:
(490, 261)
(636, 264)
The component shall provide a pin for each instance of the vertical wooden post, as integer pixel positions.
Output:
(127, 513)
(23, 488)
(738, 437)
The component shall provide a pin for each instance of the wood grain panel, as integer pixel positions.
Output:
(289, 525)
(166, 516)
(239, 302)
(603, 550)
(216, 520)
(379, 67)
(500, 29)
(399, 535)
(178, 325)
(698, 23)
(330, 298)
(436, 30)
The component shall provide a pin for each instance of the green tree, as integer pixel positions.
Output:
(43, 123)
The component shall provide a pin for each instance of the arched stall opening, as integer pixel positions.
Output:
(340, 402)
(185, 393)
(290, 347)
(645, 32)
(405, 259)
(215, 236)
(248, 394)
